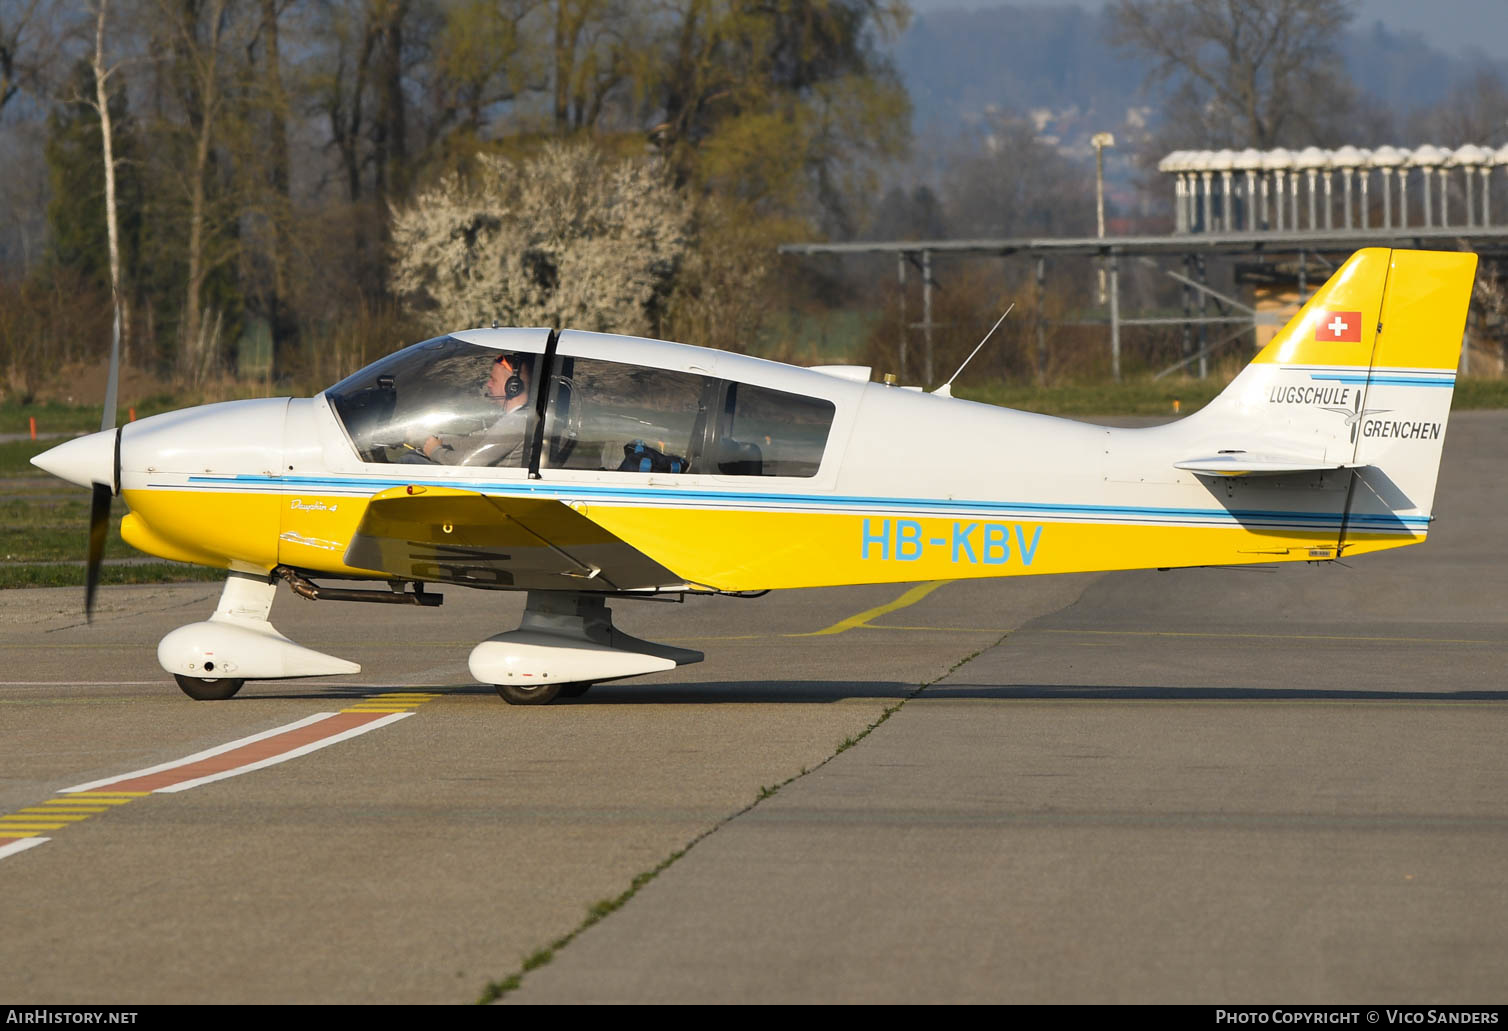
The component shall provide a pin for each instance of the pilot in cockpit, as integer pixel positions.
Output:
(502, 442)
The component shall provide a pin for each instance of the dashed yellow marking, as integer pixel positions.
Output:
(76, 806)
(64, 811)
(389, 702)
(69, 801)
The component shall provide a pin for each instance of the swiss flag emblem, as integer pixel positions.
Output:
(1339, 327)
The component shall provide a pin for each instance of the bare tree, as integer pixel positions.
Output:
(1013, 184)
(1476, 111)
(1247, 73)
(19, 28)
(112, 222)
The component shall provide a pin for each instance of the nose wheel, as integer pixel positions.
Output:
(202, 690)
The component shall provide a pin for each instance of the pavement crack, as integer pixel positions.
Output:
(495, 991)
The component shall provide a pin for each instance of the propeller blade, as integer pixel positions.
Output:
(99, 501)
(99, 525)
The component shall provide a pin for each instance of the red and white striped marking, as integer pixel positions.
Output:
(31, 826)
(246, 754)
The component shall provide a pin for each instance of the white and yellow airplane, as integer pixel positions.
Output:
(581, 466)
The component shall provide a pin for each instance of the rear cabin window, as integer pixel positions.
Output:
(609, 416)
(606, 415)
(771, 433)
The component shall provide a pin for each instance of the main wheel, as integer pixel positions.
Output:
(575, 690)
(202, 690)
(536, 694)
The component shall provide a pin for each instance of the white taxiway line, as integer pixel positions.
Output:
(78, 683)
(20, 846)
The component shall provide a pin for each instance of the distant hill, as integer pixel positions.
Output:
(960, 65)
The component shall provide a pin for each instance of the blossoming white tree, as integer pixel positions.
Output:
(566, 238)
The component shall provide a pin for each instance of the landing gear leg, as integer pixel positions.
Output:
(212, 659)
(565, 643)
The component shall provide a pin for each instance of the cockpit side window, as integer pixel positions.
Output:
(764, 432)
(440, 402)
(626, 418)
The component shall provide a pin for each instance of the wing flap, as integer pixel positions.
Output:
(1246, 463)
(444, 535)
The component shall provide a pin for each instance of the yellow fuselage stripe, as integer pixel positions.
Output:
(749, 549)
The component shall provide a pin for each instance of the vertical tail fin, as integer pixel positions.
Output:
(1362, 377)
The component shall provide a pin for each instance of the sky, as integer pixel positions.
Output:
(1454, 26)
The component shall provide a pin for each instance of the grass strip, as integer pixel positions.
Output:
(71, 574)
(56, 417)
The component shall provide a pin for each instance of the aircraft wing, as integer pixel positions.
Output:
(444, 535)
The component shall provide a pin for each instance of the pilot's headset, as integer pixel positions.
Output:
(515, 384)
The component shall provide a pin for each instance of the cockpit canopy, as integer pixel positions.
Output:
(598, 415)
(438, 388)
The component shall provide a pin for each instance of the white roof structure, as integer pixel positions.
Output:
(1347, 157)
(1471, 156)
(1312, 157)
(1277, 160)
(1427, 156)
(1249, 159)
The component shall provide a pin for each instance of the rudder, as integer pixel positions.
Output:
(1406, 394)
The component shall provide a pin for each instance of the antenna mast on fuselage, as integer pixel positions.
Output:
(946, 390)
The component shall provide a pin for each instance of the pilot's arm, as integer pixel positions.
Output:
(500, 444)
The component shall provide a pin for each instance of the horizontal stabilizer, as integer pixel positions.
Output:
(1246, 463)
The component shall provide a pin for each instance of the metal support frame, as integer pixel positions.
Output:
(926, 325)
(1041, 324)
(1192, 249)
(901, 260)
(927, 317)
(1115, 318)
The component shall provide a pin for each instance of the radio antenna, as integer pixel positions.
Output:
(946, 390)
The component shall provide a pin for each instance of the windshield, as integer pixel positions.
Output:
(440, 402)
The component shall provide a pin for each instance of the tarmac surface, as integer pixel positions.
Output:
(1272, 784)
